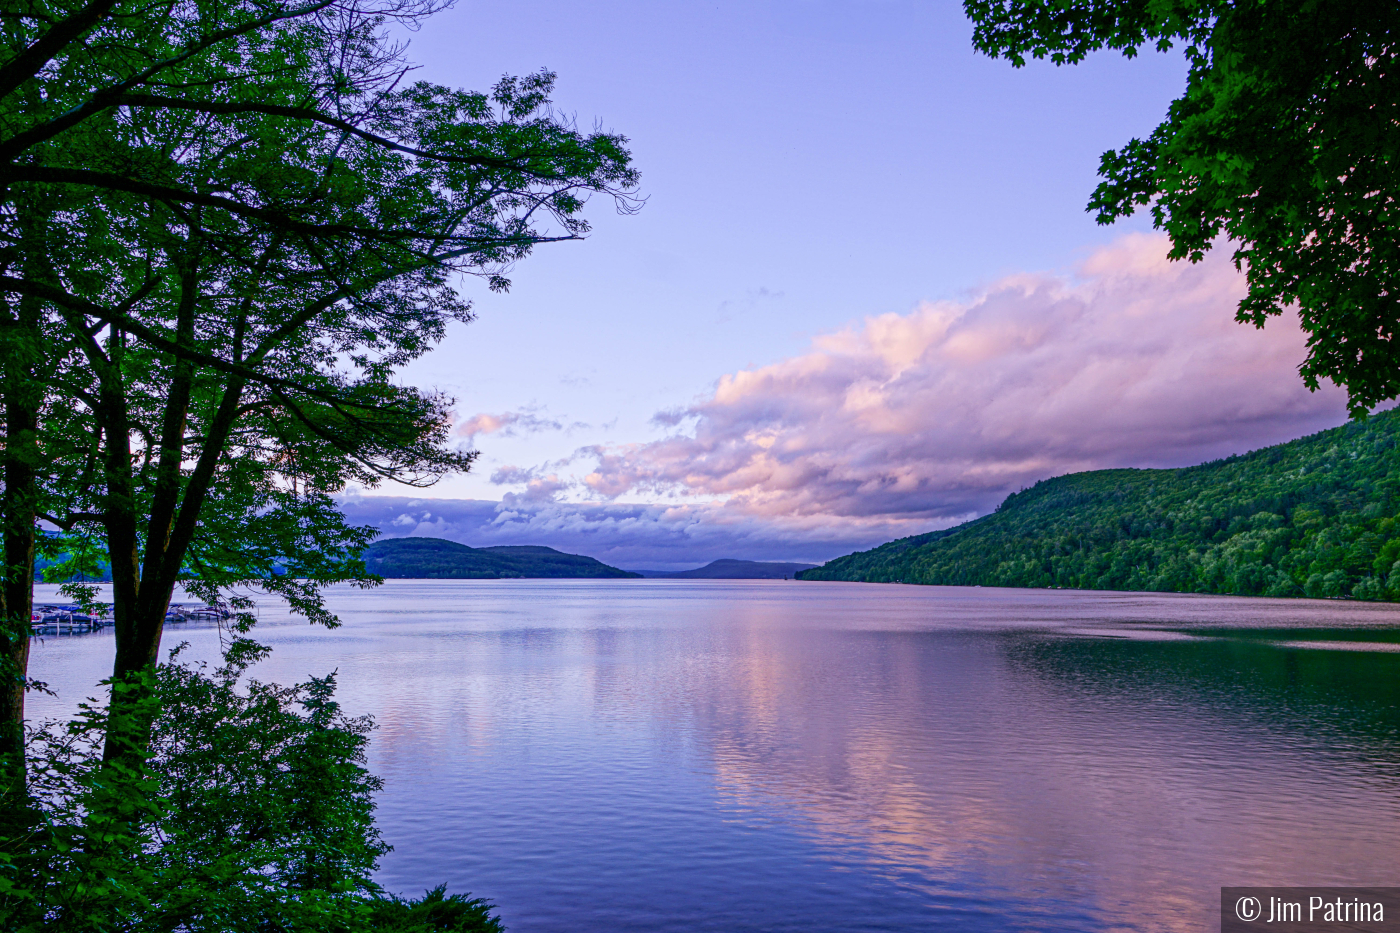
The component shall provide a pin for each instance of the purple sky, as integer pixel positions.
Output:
(863, 300)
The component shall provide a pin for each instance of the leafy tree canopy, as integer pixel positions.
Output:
(224, 229)
(1285, 142)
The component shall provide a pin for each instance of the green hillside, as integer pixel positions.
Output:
(1313, 517)
(437, 559)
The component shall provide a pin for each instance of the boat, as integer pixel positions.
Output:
(66, 620)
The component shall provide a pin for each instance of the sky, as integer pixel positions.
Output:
(863, 299)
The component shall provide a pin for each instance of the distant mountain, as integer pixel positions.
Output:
(725, 569)
(437, 559)
(1319, 516)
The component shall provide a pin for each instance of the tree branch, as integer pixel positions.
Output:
(32, 60)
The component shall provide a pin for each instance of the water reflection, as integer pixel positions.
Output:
(663, 755)
(1129, 777)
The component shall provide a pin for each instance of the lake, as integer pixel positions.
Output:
(675, 755)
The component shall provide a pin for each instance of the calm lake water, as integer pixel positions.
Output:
(666, 755)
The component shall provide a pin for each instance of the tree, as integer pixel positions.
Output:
(249, 256)
(65, 68)
(224, 227)
(1285, 142)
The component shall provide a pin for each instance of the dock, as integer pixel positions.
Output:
(74, 620)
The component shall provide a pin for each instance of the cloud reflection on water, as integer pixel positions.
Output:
(727, 756)
(1134, 776)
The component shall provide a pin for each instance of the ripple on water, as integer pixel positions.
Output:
(715, 755)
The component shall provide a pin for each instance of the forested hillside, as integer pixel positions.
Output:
(1313, 517)
(438, 559)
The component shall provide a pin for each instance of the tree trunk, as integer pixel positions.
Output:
(22, 396)
(147, 598)
(135, 653)
(150, 578)
(21, 450)
(22, 349)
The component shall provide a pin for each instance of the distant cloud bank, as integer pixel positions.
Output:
(908, 422)
(660, 537)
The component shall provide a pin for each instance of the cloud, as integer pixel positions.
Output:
(508, 424)
(670, 417)
(904, 423)
(539, 485)
(510, 474)
(941, 412)
(652, 536)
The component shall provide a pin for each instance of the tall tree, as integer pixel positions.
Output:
(256, 251)
(1285, 142)
(64, 68)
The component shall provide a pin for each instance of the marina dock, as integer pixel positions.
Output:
(74, 620)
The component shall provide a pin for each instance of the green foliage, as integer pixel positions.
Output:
(225, 228)
(1314, 517)
(229, 226)
(78, 864)
(252, 810)
(1286, 141)
(435, 911)
(438, 559)
(299, 817)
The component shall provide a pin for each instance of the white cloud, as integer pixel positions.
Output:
(941, 412)
(509, 424)
(905, 423)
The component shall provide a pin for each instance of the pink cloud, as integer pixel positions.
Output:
(938, 413)
(508, 424)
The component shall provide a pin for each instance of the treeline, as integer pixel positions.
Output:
(1314, 517)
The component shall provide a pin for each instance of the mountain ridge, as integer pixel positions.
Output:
(422, 558)
(1318, 516)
